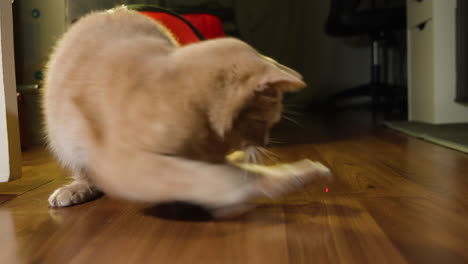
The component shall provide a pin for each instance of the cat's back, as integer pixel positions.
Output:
(109, 26)
(91, 66)
(96, 34)
(97, 50)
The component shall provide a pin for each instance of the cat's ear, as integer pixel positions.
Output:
(278, 78)
(226, 108)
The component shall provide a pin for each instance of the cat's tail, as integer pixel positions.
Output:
(145, 176)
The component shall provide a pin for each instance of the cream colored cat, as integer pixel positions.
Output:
(131, 113)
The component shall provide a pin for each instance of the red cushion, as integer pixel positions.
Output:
(209, 26)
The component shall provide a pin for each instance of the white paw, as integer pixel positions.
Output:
(311, 170)
(288, 177)
(75, 193)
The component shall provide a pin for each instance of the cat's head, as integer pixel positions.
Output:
(245, 89)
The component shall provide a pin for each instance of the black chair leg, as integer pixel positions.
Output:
(376, 66)
(384, 96)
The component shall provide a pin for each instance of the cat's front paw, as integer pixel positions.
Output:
(72, 194)
(285, 178)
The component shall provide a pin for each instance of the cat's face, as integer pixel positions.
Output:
(243, 99)
(257, 117)
(248, 93)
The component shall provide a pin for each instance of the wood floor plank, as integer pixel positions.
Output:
(413, 157)
(6, 197)
(37, 165)
(423, 229)
(394, 200)
(359, 172)
(95, 231)
(435, 170)
(9, 250)
(337, 230)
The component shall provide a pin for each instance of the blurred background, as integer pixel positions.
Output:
(292, 32)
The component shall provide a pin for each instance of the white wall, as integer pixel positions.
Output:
(10, 154)
(447, 110)
(432, 61)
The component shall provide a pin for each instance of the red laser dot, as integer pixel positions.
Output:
(326, 189)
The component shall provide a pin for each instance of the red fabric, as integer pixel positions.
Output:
(209, 26)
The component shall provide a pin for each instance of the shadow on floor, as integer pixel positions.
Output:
(179, 211)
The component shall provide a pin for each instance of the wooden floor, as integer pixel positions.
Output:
(396, 200)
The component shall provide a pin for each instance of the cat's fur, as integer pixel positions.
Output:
(132, 114)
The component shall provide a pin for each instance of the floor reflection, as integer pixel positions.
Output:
(8, 244)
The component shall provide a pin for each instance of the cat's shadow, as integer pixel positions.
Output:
(179, 211)
(266, 213)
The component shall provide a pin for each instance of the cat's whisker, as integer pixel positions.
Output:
(268, 154)
(254, 158)
(262, 151)
(245, 173)
(292, 106)
(258, 156)
(275, 141)
(292, 121)
(292, 112)
(248, 156)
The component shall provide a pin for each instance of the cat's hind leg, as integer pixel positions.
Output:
(81, 190)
